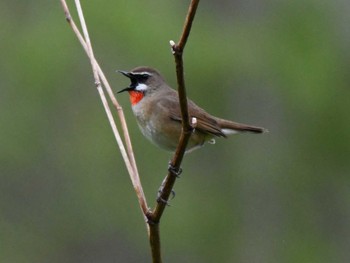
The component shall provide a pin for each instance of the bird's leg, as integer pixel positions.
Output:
(174, 171)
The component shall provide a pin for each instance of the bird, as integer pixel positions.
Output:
(157, 110)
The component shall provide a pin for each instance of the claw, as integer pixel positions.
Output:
(174, 170)
(161, 200)
(172, 195)
(159, 197)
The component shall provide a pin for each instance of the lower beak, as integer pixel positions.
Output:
(126, 89)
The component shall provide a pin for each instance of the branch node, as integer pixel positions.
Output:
(150, 220)
(68, 17)
(176, 50)
(173, 46)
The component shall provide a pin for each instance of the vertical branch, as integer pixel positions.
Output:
(174, 166)
(154, 239)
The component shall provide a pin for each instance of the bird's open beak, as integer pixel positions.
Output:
(128, 75)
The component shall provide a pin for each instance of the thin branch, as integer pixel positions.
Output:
(174, 170)
(188, 25)
(186, 125)
(128, 155)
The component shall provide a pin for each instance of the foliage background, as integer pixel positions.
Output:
(65, 195)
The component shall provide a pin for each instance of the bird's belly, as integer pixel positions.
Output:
(164, 136)
(167, 136)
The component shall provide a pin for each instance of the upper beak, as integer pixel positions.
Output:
(126, 74)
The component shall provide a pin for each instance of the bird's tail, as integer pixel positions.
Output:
(230, 127)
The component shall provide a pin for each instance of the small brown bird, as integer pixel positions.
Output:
(156, 107)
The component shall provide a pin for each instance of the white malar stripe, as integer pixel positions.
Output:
(141, 87)
(229, 131)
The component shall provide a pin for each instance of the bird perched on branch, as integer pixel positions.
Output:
(156, 107)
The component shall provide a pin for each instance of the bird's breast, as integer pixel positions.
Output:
(135, 96)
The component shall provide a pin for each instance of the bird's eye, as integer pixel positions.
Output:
(142, 77)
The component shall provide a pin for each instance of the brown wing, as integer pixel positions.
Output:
(205, 122)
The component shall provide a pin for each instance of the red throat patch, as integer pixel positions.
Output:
(135, 96)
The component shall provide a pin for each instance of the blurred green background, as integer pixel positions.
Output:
(65, 195)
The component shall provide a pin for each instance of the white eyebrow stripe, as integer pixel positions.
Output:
(141, 73)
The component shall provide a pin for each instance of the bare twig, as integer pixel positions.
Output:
(128, 155)
(174, 170)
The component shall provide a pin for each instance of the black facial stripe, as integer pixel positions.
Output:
(134, 82)
(140, 76)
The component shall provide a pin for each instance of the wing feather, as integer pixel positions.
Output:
(205, 122)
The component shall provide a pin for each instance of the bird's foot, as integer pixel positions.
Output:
(162, 200)
(175, 171)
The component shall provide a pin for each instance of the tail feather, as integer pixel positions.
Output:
(230, 127)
